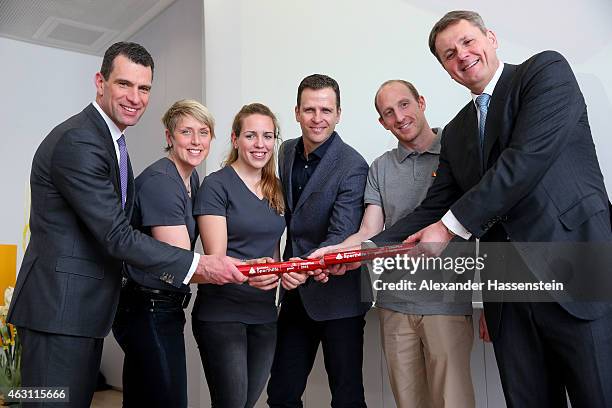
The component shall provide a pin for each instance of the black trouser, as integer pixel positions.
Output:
(296, 349)
(149, 329)
(236, 358)
(542, 351)
(55, 360)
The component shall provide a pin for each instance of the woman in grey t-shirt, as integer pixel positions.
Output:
(239, 209)
(150, 318)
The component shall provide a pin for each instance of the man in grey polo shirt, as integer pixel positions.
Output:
(427, 344)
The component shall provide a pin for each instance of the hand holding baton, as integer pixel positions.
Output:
(333, 258)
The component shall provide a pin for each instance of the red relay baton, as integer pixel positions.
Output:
(281, 267)
(359, 255)
(333, 258)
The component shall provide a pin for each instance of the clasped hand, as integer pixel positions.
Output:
(289, 280)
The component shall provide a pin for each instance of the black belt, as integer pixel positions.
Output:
(180, 297)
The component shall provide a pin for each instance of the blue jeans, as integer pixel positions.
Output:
(237, 358)
(150, 332)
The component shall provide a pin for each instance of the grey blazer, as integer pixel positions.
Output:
(80, 236)
(328, 211)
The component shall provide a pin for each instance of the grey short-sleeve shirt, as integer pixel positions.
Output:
(162, 200)
(398, 181)
(253, 231)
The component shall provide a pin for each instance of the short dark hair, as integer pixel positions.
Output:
(318, 81)
(134, 52)
(450, 18)
(407, 84)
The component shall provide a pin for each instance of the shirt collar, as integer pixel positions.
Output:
(491, 85)
(112, 127)
(403, 152)
(319, 152)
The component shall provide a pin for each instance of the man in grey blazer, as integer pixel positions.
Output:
(323, 179)
(82, 196)
(518, 164)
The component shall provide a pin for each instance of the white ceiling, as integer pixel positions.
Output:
(87, 26)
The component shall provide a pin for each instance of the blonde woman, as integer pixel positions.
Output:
(150, 319)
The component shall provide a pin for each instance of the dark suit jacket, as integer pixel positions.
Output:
(542, 181)
(328, 211)
(71, 272)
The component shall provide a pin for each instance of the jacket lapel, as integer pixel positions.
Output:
(129, 200)
(286, 159)
(100, 124)
(494, 125)
(472, 164)
(322, 172)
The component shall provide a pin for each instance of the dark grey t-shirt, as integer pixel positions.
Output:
(253, 231)
(162, 200)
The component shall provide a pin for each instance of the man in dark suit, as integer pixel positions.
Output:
(82, 195)
(518, 164)
(323, 179)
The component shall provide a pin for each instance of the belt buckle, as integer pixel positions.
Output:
(186, 299)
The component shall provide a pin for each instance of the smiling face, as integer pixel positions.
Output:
(401, 113)
(317, 116)
(468, 54)
(190, 143)
(255, 143)
(125, 95)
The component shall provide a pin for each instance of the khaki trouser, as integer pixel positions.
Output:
(428, 358)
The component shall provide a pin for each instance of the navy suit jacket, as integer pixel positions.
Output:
(540, 181)
(70, 276)
(328, 211)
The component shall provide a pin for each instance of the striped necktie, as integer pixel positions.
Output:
(123, 168)
(482, 101)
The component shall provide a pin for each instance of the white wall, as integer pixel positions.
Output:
(40, 88)
(175, 40)
(259, 50)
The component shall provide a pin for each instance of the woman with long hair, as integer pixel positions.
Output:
(240, 209)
